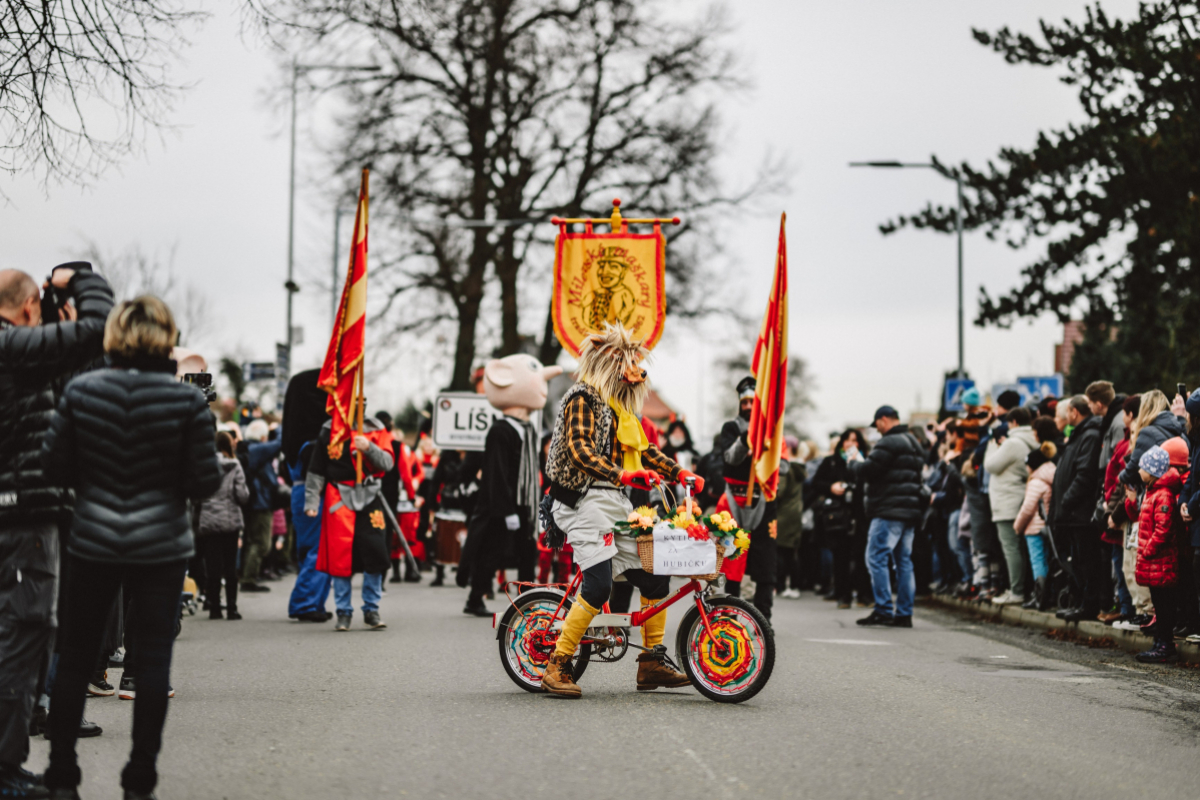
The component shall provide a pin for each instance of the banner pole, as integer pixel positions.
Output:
(750, 483)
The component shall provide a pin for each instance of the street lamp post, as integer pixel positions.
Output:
(291, 286)
(338, 213)
(958, 227)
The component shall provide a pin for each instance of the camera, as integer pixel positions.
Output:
(55, 299)
(204, 382)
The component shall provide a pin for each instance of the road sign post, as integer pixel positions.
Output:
(461, 420)
(952, 396)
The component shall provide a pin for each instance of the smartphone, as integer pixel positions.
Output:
(1182, 389)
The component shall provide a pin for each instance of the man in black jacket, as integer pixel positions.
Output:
(895, 502)
(36, 355)
(1077, 485)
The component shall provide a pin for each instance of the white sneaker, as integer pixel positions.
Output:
(1007, 599)
(1126, 625)
(1193, 639)
(790, 594)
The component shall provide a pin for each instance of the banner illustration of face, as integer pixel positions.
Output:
(607, 278)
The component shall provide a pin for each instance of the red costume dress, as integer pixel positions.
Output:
(353, 524)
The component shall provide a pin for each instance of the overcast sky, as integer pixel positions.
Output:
(833, 82)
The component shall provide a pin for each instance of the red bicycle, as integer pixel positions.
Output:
(725, 644)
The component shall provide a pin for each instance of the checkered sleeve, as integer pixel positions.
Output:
(581, 443)
(661, 463)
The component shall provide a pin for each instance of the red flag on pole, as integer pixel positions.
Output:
(765, 436)
(340, 374)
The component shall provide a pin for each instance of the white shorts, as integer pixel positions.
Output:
(589, 529)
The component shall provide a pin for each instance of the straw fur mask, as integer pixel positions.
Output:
(611, 363)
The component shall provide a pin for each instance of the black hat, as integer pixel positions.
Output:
(746, 387)
(885, 411)
(385, 418)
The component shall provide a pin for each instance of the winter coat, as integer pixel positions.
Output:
(222, 513)
(1160, 530)
(1005, 462)
(1077, 481)
(789, 504)
(1038, 490)
(1112, 471)
(893, 472)
(1191, 497)
(946, 483)
(1114, 432)
(834, 515)
(32, 362)
(1165, 426)
(260, 473)
(136, 445)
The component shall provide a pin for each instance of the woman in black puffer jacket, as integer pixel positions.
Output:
(136, 445)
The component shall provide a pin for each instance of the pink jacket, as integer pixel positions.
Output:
(1028, 521)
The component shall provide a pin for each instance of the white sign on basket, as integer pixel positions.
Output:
(676, 553)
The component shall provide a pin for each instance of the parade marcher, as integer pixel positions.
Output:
(757, 514)
(353, 522)
(35, 354)
(220, 525)
(132, 529)
(599, 447)
(399, 487)
(303, 415)
(455, 488)
(427, 457)
(509, 489)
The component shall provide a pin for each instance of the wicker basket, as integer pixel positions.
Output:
(645, 545)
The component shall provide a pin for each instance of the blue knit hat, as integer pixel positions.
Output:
(972, 397)
(1192, 404)
(1156, 461)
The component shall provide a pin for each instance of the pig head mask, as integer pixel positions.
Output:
(517, 384)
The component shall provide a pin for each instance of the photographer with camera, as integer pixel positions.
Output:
(44, 338)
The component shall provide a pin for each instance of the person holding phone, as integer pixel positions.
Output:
(37, 350)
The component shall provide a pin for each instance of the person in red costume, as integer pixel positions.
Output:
(353, 522)
(599, 448)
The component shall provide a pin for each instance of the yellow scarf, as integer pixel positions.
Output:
(631, 436)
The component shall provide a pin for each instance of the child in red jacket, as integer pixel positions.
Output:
(1159, 531)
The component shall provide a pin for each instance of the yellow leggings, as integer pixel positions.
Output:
(577, 621)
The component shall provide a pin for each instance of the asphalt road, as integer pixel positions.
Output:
(269, 708)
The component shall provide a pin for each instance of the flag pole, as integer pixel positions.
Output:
(362, 365)
(360, 402)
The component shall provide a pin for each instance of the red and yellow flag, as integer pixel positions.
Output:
(770, 364)
(343, 360)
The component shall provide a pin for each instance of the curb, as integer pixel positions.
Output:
(1128, 641)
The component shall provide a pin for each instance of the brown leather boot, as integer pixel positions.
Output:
(653, 673)
(557, 679)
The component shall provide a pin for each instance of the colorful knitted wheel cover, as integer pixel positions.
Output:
(732, 657)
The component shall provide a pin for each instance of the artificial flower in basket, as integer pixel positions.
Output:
(719, 528)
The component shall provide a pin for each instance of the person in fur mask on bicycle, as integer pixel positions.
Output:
(598, 451)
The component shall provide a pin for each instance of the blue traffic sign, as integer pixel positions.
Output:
(952, 401)
(1039, 388)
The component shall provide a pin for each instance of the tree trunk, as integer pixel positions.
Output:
(507, 268)
(550, 345)
(464, 348)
